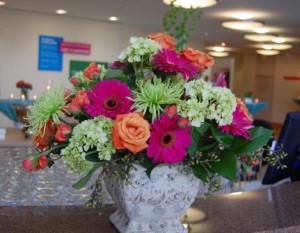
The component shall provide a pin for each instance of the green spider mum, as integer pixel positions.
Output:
(151, 95)
(49, 105)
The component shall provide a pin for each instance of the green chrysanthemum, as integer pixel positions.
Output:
(155, 93)
(49, 105)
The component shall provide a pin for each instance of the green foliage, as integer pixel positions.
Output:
(214, 152)
(200, 171)
(225, 139)
(180, 23)
(227, 166)
(84, 180)
(259, 137)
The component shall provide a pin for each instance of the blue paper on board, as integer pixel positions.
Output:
(50, 57)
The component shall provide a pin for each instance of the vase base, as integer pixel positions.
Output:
(158, 225)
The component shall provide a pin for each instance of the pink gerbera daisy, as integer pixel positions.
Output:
(240, 124)
(168, 142)
(109, 98)
(169, 62)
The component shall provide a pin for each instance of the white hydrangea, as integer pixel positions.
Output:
(207, 103)
(94, 134)
(139, 49)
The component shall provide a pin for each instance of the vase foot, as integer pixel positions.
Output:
(158, 225)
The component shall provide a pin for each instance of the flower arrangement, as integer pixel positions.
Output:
(151, 107)
(24, 87)
(23, 84)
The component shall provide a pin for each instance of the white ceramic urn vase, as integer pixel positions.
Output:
(153, 205)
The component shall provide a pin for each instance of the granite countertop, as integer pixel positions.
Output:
(270, 210)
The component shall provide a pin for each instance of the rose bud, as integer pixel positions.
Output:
(62, 131)
(29, 166)
(171, 111)
(183, 123)
(74, 81)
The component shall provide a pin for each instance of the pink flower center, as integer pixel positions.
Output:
(110, 103)
(167, 140)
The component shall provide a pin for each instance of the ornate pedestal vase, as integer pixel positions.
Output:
(21, 112)
(24, 92)
(153, 205)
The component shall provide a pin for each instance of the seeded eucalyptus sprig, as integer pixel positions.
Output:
(180, 23)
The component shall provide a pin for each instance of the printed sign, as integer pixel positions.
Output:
(50, 57)
(76, 48)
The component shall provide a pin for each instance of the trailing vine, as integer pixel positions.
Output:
(181, 22)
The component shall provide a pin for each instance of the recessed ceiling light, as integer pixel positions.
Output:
(267, 52)
(242, 25)
(191, 3)
(243, 15)
(223, 44)
(219, 54)
(267, 46)
(261, 30)
(259, 37)
(113, 18)
(277, 46)
(278, 39)
(61, 11)
(2, 3)
(219, 49)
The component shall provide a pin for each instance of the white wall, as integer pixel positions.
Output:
(19, 33)
(285, 90)
(264, 76)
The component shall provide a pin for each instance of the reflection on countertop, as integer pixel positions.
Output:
(253, 211)
(260, 211)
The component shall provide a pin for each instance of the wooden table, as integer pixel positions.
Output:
(15, 138)
(254, 211)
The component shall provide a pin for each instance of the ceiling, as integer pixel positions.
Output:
(281, 15)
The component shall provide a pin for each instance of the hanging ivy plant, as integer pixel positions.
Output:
(181, 22)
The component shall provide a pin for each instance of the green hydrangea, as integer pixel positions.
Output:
(139, 50)
(207, 102)
(94, 134)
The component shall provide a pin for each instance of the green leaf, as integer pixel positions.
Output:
(259, 137)
(208, 146)
(146, 163)
(115, 74)
(93, 157)
(200, 172)
(227, 166)
(225, 139)
(197, 133)
(84, 180)
(149, 170)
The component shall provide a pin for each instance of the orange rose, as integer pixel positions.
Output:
(131, 131)
(90, 71)
(199, 59)
(166, 41)
(79, 100)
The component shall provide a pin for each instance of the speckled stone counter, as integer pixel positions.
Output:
(268, 210)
